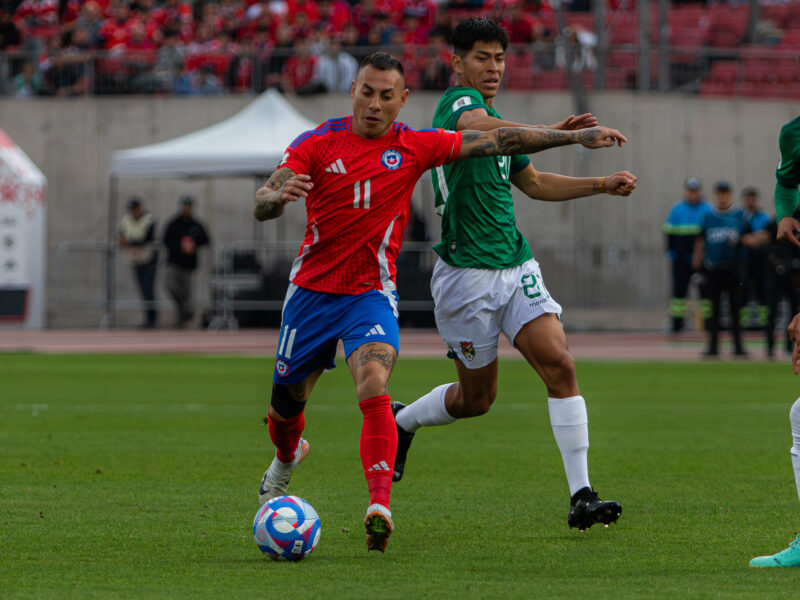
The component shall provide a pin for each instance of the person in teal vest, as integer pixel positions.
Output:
(718, 249)
(681, 228)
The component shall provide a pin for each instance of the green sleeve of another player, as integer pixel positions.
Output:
(455, 102)
(458, 100)
(519, 162)
(788, 173)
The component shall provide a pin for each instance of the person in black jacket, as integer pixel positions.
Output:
(183, 236)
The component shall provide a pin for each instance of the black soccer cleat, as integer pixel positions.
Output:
(586, 509)
(403, 444)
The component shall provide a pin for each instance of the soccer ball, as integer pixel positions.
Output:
(287, 528)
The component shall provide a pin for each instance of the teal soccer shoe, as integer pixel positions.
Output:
(786, 558)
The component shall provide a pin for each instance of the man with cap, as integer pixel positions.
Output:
(137, 238)
(718, 248)
(183, 236)
(681, 228)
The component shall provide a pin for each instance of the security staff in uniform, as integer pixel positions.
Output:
(681, 229)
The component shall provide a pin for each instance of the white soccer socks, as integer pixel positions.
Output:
(428, 410)
(794, 419)
(571, 429)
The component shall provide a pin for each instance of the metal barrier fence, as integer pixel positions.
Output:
(243, 283)
(742, 70)
(82, 293)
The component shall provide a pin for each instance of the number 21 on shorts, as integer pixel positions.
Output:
(533, 286)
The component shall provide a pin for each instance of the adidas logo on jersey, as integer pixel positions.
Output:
(381, 466)
(336, 167)
(377, 330)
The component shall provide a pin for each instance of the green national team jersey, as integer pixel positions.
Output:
(479, 229)
(788, 173)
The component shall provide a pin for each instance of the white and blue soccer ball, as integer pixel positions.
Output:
(287, 528)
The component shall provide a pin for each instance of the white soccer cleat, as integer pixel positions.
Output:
(379, 526)
(276, 478)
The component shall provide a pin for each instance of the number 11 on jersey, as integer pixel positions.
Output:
(357, 194)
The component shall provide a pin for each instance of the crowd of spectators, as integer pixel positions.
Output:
(70, 47)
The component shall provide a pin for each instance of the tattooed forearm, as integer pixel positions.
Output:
(513, 140)
(267, 204)
(266, 210)
(379, 355)
(278, 178)
(588, 136)
(478, 143)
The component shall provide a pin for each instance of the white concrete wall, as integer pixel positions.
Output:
(601, 256)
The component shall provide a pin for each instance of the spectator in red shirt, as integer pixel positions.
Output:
(423, 10)
(415, 33)
(299, 68)
(364, 16)
(521, 28)
(307, 7)
(334, 16)
(301, 26)
(114, 32)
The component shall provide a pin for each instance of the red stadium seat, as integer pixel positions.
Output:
(551, 80)
(791, 39)
(727, 25)
(519, 71)
(581, 20)
(777, 13)
(687, 44)
(623, 28)
(723, 72)
(718, 88)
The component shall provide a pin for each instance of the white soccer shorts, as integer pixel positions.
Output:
(474, 305)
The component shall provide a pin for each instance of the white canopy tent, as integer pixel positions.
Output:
(250, 143)
(23, 211)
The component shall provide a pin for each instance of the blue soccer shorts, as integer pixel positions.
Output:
(314, 322)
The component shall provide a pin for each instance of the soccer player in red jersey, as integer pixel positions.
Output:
(357, 175)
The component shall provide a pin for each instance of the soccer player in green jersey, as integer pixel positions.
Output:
(786, 201)
(487, 281)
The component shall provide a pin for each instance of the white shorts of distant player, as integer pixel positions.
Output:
(474, 305)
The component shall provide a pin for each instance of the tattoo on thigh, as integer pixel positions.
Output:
(384, 357)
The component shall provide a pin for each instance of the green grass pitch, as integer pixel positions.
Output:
(136, 477)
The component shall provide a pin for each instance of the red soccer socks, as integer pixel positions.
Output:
(378, 447)
(286, 435)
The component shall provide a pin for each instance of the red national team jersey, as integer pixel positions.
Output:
(358, 208)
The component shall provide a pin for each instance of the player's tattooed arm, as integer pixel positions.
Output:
(520, 140)
(282, 187)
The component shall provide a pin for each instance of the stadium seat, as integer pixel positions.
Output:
(581, 20)
(687, 44)
(519, 71)
(623, 28)
(551, 80)
(727, 25)
(723, 72)
(777, 13)
(717, 88)
(791, 39)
